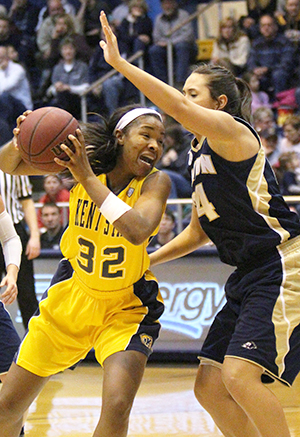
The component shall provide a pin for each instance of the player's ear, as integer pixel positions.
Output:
(222, 101)
(120, 136)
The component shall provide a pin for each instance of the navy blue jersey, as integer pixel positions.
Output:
(239, 205)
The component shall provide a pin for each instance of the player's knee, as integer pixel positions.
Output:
(119, 406)
(233, 379)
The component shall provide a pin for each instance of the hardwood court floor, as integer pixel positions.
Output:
(69, 405)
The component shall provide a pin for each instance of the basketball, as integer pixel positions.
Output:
(41, 134)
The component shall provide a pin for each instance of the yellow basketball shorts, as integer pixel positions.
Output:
(72, 319)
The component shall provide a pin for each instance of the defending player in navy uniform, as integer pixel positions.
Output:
(237, 205)
(103, 295)
(12, 249)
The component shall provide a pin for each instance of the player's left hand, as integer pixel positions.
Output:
(10, 294)
(78, 162)
(110, 46)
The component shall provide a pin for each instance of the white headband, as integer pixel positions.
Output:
(133, 114)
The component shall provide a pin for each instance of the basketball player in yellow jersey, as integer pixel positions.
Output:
(102, 296)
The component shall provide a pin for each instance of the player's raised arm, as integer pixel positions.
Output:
(203, 115)
(152, 87)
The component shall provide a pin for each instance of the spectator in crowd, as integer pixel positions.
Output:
(7, 34)
(249, 26)
(88, 19)
(259, 98)
(174, 161)
(119, 13)
(17, 195)
(264, 118)
(258, 8)
(3, 9)
(135, 31)
(51, 219)
(269, 141)
(54, 193)
(13, 80)
(166, 230)
(64, 29)
(232, 47)
(13, 54)
(52, 8)
(115, 91)
(183, 43)
(24, 15)
(289, 165)
(271, 57)
(69, 79)
(47, 30)
(289, 22)
(291, 133)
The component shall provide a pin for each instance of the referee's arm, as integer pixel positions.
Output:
(33, 248)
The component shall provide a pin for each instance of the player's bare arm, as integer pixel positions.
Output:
(190, 239)
(201, 121)
(137, 224)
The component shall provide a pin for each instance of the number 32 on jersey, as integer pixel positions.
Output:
(110, 267)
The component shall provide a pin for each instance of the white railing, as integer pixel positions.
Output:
(179, 203)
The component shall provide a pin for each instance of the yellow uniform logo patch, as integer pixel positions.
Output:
(147, 340)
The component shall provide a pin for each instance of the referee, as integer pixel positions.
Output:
(16, 192)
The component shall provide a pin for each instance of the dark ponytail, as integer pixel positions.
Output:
(246, 100)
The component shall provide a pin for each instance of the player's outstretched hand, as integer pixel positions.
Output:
(78, 164)
(110, 45)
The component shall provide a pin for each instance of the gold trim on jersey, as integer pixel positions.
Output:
(260, 196)
(286, 316)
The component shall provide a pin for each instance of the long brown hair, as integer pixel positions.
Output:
(222, 81)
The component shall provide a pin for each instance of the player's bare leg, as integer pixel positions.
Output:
(2, 377)
(19, 390)
(243, 380)
(212, 394)
(239, 403)
(123, 373)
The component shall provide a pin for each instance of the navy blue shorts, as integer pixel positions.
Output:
(9, 340)
(261, 320)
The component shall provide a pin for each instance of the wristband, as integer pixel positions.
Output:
(11, 243)
(113, 208)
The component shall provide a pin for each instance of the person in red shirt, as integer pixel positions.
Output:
(54, 192)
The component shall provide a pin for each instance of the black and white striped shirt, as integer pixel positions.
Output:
(12, 189)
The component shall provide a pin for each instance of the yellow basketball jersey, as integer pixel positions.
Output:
(102, 258)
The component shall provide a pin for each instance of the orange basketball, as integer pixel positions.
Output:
(41, 134)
